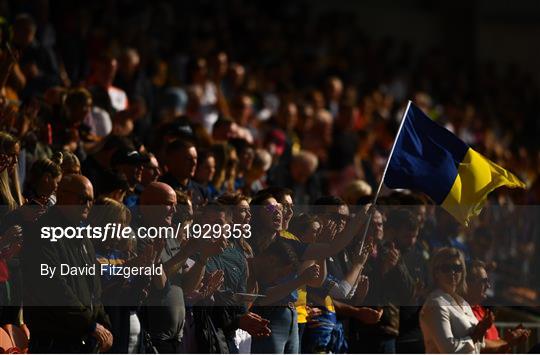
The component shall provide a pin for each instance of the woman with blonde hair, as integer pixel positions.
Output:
(355, 190)
(446, 319)
(70, 163)
(11, 238)
(42, 182)
(109, 211)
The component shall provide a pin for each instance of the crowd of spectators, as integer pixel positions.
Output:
(256, 114)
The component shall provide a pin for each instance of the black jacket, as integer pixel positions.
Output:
(60, 307)
(389, 291)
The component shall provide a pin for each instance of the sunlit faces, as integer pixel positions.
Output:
(169, 207)
(206, 170)
(338, 214)
(79, 198)
(478, 284)
(272, 214)
(87, 199)
(14, 157)
(242, 214)
(288, 211)
(158, 204)
(48, 184)
(190, 160)
(377, 226)
(151, 171)
(182, 164)
(449, 275)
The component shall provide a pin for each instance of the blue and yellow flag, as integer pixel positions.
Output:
(430, 159)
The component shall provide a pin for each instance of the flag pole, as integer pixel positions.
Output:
(376, 197)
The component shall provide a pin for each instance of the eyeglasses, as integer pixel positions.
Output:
(451, 268)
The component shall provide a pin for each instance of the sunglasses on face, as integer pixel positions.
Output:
(451, 268)
(273, 208)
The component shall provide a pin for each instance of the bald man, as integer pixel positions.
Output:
(64, 312)
(166, 311)
(158, 204)
(77, 192)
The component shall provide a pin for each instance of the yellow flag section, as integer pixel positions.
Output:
(477, 177)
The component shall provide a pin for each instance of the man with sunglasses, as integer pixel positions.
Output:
(477, 287)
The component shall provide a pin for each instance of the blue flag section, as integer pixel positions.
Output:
(426, 157)
(430, 159)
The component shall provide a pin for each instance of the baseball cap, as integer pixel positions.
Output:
(128, 157)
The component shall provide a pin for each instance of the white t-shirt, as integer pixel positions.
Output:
(119, 100)
(99, 121)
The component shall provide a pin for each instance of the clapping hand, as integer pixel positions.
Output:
(255, 325)
(479, 331)
(310, 274)
(361, 256)
(368, 315)
(328, 231)
(516, 335)
(210, 283)
(104, 337)
(361, 289)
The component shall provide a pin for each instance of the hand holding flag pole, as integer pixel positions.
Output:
(427, 158)
(371, 210)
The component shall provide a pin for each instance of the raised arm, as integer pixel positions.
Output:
(317, 251)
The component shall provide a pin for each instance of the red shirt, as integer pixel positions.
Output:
(4, 274)
(492, 333)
